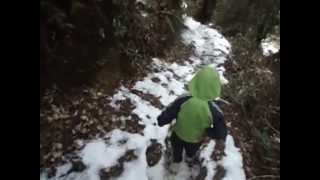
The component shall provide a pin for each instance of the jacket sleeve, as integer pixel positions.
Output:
(171, 112)
(219, 130)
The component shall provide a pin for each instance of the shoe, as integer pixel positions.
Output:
(174, 168)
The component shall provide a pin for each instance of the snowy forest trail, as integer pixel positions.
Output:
(162, 86)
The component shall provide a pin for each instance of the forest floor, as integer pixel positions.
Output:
(103, 131)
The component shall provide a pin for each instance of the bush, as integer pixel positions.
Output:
(254, 90)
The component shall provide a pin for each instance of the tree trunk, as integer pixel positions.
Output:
(206, 11)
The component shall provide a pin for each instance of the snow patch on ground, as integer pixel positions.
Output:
(99, 154)
(270, 45)
(136, 169)
(211, 48)
(232, 162)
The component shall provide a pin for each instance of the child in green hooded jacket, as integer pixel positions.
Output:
(197, 117)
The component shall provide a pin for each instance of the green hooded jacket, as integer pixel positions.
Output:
(195, 115)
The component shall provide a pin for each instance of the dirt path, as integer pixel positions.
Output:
(113, 136)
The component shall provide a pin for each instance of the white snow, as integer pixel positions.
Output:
(181, 71)
(157, 172)
(117, 97)
(144, 14)
(148, 86)
(97, 155)
(232, 162)
(142, 1)
(184, 5)
(136, 169)
(270, 45)
(211, 165)
(211, 48)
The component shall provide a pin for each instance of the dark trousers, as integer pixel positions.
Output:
(178, 145)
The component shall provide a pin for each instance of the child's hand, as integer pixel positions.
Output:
(218, 152)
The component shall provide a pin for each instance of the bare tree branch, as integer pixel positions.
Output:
(265, 176)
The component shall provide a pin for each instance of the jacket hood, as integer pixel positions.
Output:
(205, 84)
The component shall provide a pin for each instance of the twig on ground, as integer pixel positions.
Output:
(272, 160)
(224, 101)
(265, 176)
(271, 168)
(170, 24)
(270, 126)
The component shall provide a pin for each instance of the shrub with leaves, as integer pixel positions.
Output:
(254, 90)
